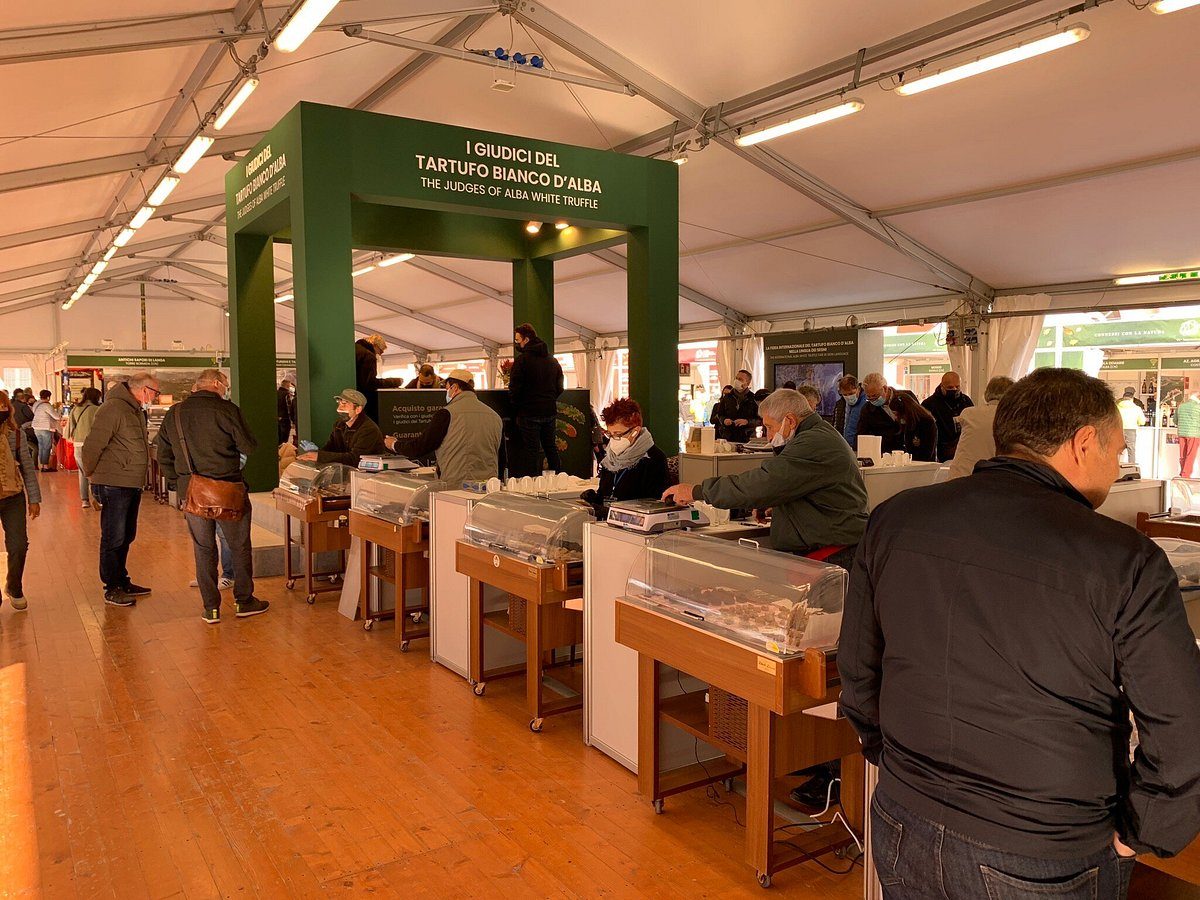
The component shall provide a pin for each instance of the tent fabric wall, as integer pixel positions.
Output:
(602, 384)
(1012, 341)
(962, 358)
(750, 352)
(583, 368)
(727, 355)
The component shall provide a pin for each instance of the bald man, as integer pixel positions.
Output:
(947, 403)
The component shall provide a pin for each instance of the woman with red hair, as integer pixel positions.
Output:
(632, 468)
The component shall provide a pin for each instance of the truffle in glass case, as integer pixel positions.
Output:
(532, 528)
(761, 599)
(298, 478)
(393, 496)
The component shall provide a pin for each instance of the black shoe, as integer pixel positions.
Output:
(212, 616)
(252, 607)
(135, 590)
(815, 792)
(119, 598)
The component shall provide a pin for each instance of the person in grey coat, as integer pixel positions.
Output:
(20, 498)
(812, 486)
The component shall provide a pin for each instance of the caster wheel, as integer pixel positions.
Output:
(368, 625)
(535, 725)
(311, 599)
(658, 807)
(764, 881)
(416, 617)
(291, 583)
(404, 646)
(334, 579)
(479, 688)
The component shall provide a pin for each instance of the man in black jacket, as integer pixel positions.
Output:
(353, 437)
(285, 408)
(997, 634)
(367, 352)
(207, 435)
(535, 385)
(947, 403)
(877, 417)
(736, 413)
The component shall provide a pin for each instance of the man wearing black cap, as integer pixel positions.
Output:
(353, 437)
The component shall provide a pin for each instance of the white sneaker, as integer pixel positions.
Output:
(224, 584)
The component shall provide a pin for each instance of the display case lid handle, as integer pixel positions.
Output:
(749, 543)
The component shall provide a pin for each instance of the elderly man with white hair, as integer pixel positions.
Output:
(812, 486)
(877, 417)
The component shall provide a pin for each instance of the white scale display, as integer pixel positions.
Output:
(654, 516)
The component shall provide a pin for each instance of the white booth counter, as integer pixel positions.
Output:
(885, 482)
(695, 467)
(1128, 498)
(449, 592)
(610, 709)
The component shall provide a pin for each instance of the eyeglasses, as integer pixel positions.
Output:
(617, 434)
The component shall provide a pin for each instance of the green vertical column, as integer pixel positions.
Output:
(324, 302)
(533, 296)
(654, 311)
(252, 349)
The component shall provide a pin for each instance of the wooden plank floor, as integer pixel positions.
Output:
(148, 755)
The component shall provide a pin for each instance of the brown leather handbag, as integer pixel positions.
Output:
(207, 497)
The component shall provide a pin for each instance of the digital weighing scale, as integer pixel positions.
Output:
(381, 463)
(654, 516)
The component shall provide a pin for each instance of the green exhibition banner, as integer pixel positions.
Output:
(1130, 364)
(1117, 334)
(406, 413)
(333, 182)
(149, 361)
(1180, 363)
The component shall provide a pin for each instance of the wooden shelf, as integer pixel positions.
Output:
(499, 621)
(378, 572)
(689, 712)
(684, 779)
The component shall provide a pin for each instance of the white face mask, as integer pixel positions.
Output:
(450, 396)
(779, 440)
(617, 446)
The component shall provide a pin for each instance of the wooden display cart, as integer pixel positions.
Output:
(780, 738)
(322, 522)
(410, 544)
(548, 624)
(1163, 525)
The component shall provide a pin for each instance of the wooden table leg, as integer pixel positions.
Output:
(760, 768)
(533, 663)
(308, 559)
(853, 790)
(475, 633)
(287, 551)
(648, 675)
(364, 585)
(401, 596)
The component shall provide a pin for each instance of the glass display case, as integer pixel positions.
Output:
(535, 529)
(1184, 557)
(333, 480)
(1185, 500)
(393, 496)
(761, 599)
(298, 478)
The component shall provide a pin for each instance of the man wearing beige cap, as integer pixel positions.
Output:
(464, 435)
(353, 437)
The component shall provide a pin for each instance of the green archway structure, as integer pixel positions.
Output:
(331, 181)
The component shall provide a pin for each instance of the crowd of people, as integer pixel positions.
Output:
(975, 607)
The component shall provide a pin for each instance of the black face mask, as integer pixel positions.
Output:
(952, 393)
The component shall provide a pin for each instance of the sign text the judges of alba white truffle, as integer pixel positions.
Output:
(513, 173)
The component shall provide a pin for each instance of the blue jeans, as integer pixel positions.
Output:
(537, 437)
(45, 441)
(921, 860)
(118, 529)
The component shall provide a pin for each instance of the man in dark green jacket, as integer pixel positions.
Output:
(353, 437)
(812, 486)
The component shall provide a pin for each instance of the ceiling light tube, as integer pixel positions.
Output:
(99, 267)
(89, 279)
(310, 14)
(363, 271)
(392, 260)
(284, 298)
(1160, 277)
(1162, 7)
(142, 217)
(193, 154)
(561, 225)
(123, 238)
(682, 160)
(162, 190)
(847, 108)
(1072, 35)
(235, 103)
(112, 251)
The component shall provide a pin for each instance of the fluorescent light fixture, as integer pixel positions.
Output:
(193, 154)
(123, 238)
(311, 14)
(1161, 277)
(99, 267)
(142, 217)
(533, 227)
(112, 251)
(847, 108)
(90, 279)
(284, 298)
(1072, 35)
(392, 260)
(1162, 7)
(363, 271)
(235, 103)
(162, 191)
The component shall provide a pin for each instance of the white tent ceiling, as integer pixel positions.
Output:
(1073, 167)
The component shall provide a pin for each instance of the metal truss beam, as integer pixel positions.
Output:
(686, 110)
(128, 250)
(728, 313)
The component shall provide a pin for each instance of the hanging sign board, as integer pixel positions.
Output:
(1179, 363)
(1129, 364)
(115, 361)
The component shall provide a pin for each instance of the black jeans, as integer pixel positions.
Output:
(236, 536)
(16, 540)
(118, 528)
(537, 437)
(920, 860)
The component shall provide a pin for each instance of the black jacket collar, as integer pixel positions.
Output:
(1039, 473)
